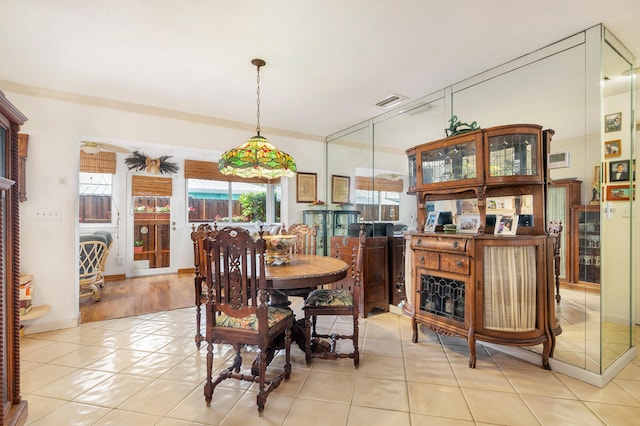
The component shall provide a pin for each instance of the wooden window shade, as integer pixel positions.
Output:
(378, 184)
(102, 162)
(208, 170)
(144, 186)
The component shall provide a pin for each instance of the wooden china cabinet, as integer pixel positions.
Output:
(473, 283)
(14, 408)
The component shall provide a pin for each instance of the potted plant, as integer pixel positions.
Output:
(137, 246)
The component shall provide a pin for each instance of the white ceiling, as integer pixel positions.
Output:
(328, 62)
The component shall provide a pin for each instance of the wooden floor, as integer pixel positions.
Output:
(135, 296)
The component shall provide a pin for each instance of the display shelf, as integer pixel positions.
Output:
(36, 312)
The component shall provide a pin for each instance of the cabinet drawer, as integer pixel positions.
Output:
(439, 243)
(454, 263)
(427, 259)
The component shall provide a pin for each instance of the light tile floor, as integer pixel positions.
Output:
(146, 370)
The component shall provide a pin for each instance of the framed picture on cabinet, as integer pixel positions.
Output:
(613, 148)
(620, 192)
(340, 189)
(506, 225)
(432, 222)
(619, 171)
(613, 122)
(468, 223)
(307, 186)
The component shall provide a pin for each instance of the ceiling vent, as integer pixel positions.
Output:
(391, 101)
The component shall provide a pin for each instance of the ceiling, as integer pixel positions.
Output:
(328, 62)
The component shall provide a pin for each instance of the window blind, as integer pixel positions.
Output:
(144, 186)
(208, 170)
(102, 162)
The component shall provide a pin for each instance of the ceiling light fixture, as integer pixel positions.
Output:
(90, 148)
(257, 157)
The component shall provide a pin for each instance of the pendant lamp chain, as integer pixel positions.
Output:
(258, 65)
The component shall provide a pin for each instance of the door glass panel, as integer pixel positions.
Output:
(151, 232)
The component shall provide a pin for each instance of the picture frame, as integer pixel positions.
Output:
(619, 171)
(613, 148)
(506, 225)
(620, 192)
(613, 122)
(432, 222)
(306, 187)
(468, 223)
(340, 189)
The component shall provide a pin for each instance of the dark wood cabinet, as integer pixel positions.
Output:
(585, 246)
(374, 292)
(561, 195)
(396, 270)
(473, 282)
(14, 407)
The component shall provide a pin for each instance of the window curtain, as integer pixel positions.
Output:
(510, 288)
(556, 210)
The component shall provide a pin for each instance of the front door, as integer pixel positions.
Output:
(153, 224)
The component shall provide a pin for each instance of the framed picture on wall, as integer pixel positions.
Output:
(340, 189)
(307, 186)
(619, 171)
(620, 192)
(613, 122)
(612, 148)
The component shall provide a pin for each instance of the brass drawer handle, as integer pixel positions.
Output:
(422, 260)
(459, 263)
(456, 245)
(419, 242)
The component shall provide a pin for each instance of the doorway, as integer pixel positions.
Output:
(152, 225)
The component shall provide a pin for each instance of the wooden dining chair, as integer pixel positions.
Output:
(198, 235)
(334, 302)
(306, 238)
(238, 313)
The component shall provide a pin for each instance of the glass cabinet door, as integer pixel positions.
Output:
(514, 154)
(449, 162)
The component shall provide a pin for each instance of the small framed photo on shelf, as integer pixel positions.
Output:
(620, 193)
(468, 223)
(506, 225)
(613, 122)
(619, 171)
(340, 189)
(307, 185)
(613, 148)
(432, 222)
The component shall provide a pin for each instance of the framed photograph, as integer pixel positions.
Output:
(506, 225)
(619, 171)
(620, 193)
(613, 122)
(612, 148)
(307, 186)
(340, 189)
(432, 222)
(468, 223)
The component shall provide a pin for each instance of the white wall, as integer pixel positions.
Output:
(49, 248)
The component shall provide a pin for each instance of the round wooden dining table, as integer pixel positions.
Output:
(304, 271)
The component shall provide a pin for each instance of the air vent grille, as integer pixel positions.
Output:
(391, 101)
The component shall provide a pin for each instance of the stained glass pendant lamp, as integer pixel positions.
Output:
(257, 157)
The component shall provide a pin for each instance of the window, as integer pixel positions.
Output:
(96, 186)
(95, 197)
(213, 197)
(378, 205)
(379, 199)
